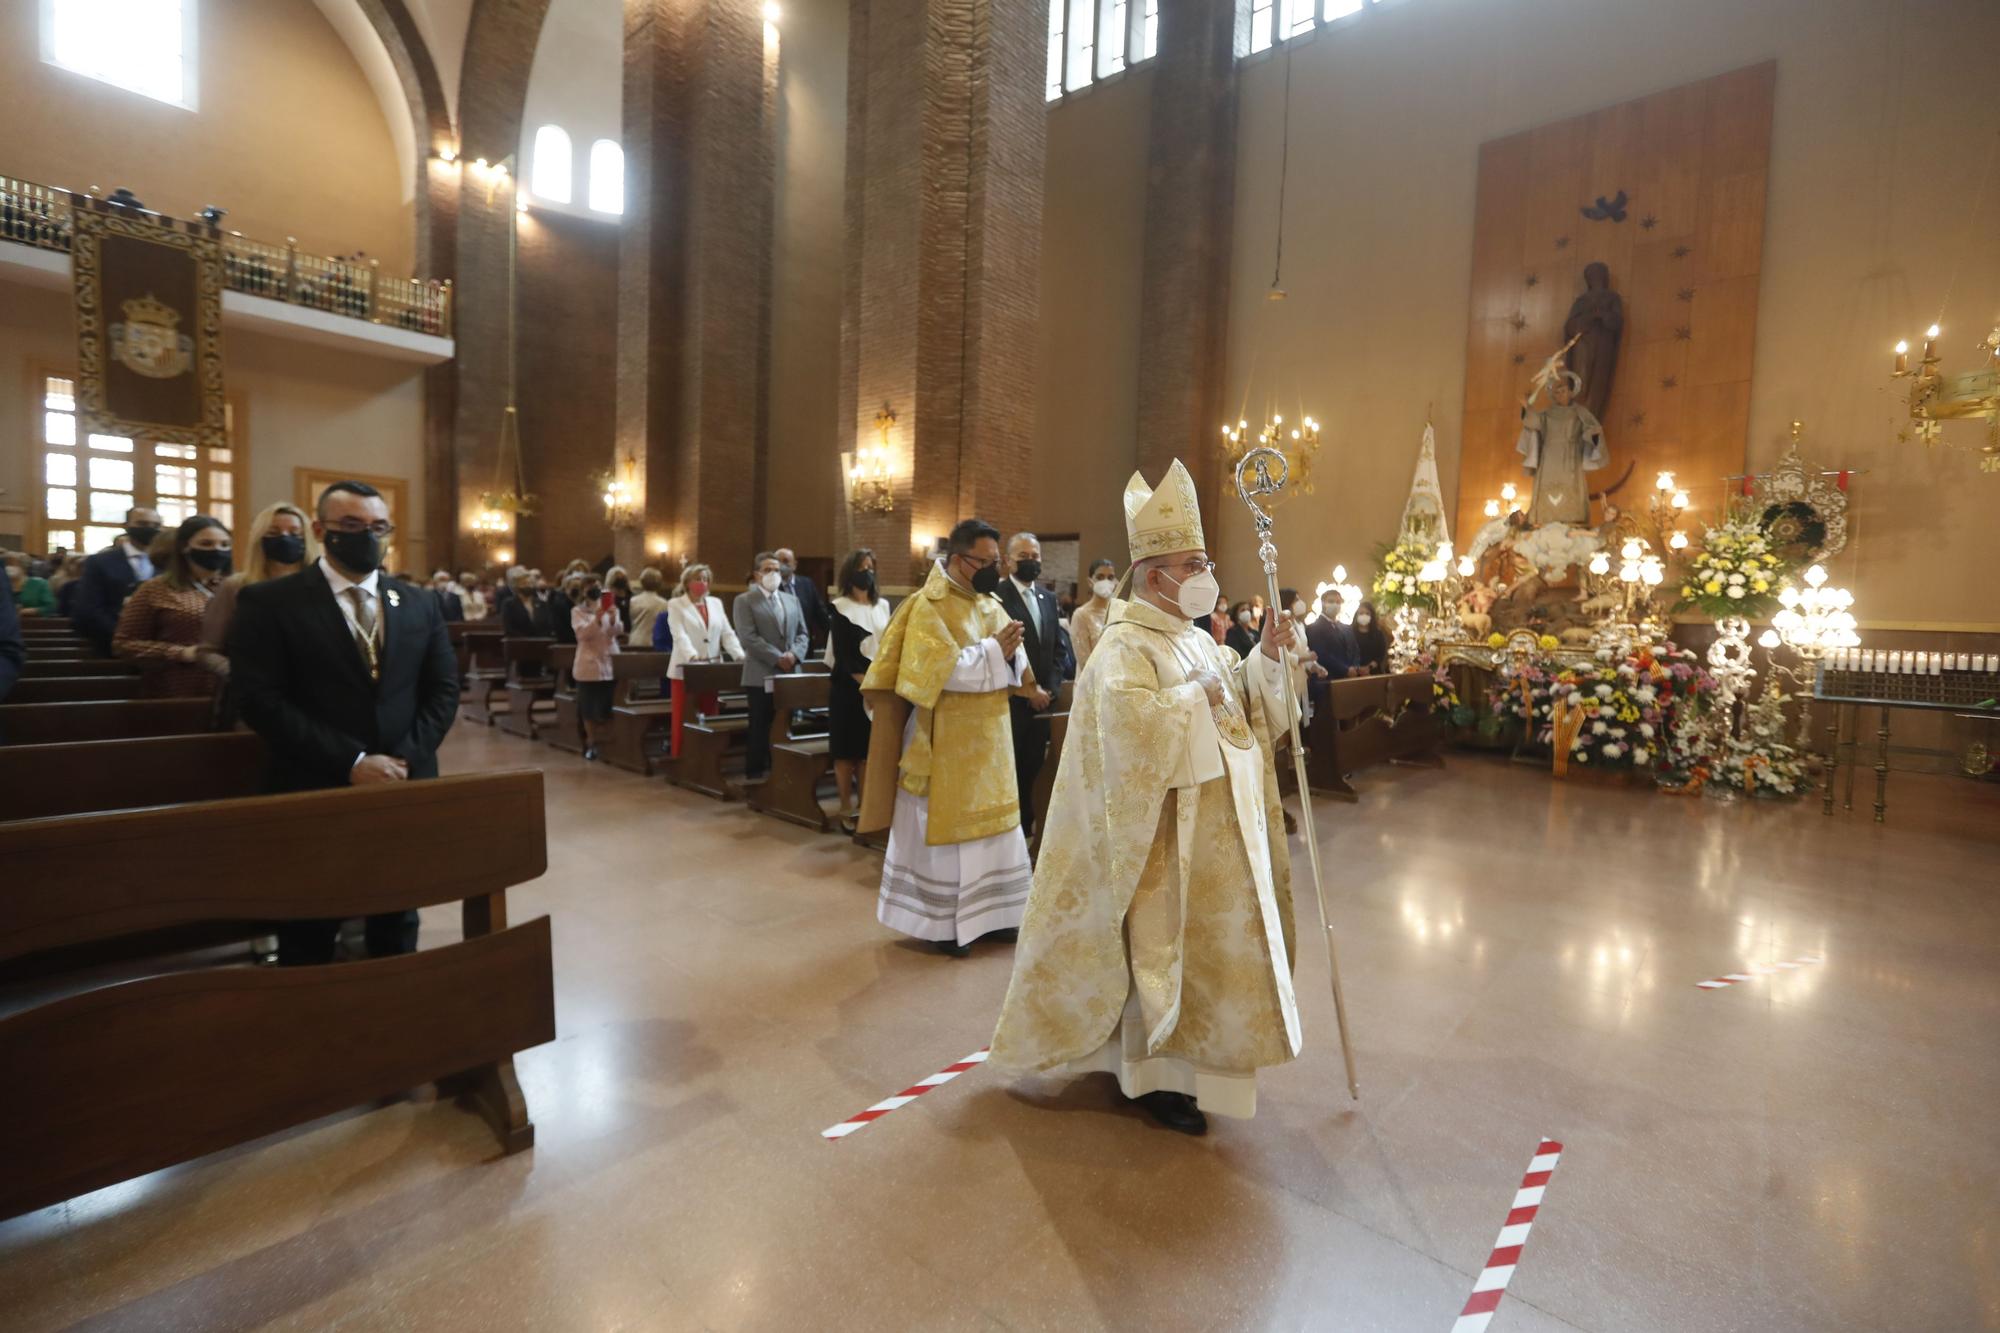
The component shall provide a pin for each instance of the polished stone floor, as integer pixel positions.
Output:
(1814, 1149)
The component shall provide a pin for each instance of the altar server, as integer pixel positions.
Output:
(1158, 940)
(940, 773)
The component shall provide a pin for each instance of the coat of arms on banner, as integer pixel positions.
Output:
(149, 342)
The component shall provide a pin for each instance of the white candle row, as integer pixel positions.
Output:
(1910, 663)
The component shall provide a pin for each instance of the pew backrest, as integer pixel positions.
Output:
(43, 724)
(638, 677)
(793, 694)
(84, 777)
(526, 659)
(73, 689)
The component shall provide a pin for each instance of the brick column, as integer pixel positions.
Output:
(1190, 203)
(946, 127)
(694, 306)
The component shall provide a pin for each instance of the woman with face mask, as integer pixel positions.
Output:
(1219, 621)
(1373, 639)
(1242, 634)
(860, 614)
(697, 631)
(161, 623)
(284, 546)
(1086, 623)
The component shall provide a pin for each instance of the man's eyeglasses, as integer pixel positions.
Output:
(381, 527)
(1196, 565)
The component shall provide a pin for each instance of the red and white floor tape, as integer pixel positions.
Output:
(1760, 970)
(905, 1097)
(1499, 1269)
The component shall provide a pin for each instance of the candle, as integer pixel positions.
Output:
(1902, 358)
(1937, 665)
(1867, 659)
(1930, 342)
(1965, 661)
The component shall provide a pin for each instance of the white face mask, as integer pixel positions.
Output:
(1242, 617)
(1364, 621)
(1331, 610)
(769, 581)
(1104, 588)
(1299, 609)
(1197, 595)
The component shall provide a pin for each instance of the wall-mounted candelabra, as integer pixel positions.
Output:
(871, 487)
(1936, 398)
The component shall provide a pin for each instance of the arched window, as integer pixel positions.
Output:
(550, 173)
(607, 177)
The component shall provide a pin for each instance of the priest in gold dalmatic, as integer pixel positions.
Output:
(941, 754)
(1158, 940)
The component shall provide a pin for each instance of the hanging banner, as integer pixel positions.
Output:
(148, 324)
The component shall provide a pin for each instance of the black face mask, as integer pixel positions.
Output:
(212, 559)
(591, 595)
(142, 537)
(865, 581)
(1027, 570)
(987, 579)
(283, 548)
(358, 551)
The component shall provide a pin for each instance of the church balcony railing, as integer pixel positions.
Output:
(39, 216)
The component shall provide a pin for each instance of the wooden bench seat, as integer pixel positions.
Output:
(528, 683)
(566, 731)
(712, 742)
(109, 1082)
(1370, 720)
(101, 720)
(641, 713)
(799, 759)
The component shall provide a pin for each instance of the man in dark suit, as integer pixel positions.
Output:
(449, 602)
(812, 601)
(1035, 607)
(349, 677)
(1332, 643)
(109, 577)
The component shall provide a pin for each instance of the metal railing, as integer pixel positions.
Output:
(39, 216)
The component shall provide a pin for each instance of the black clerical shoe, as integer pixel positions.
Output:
(1175, 1110)
(951, 948)
(1010, 935)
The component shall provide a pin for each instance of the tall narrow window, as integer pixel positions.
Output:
(1261, 14)
(1151, 44)
(550, 174)
(1054, 88)
(142, 46)
(1111, 25)
(607, 177)
(1298, 17)
(1339, 9)
(1082, 43)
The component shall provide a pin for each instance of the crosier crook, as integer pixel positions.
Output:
(1262, 472)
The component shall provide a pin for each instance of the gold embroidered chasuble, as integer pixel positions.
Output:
(1164, 873)
(961, 753)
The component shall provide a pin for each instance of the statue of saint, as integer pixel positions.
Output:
(1595, 324)
(1558, 444)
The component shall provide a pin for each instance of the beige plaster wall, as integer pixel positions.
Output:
(1885, 118)
(288, 136)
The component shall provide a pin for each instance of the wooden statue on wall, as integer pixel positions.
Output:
(1558, 445)
(1596, 322)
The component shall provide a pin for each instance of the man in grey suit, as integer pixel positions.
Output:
(772, 628)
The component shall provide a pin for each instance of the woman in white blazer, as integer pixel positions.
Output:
(702, 633)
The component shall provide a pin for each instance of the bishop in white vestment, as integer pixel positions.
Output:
(1158, 939)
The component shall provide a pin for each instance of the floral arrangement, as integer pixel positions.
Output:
(1396, 584)
(1735, 573)
(1444, 694)
(1759, 762)
(1632, 708)
(1548, 643)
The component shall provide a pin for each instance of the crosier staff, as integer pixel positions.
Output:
(1262, 472)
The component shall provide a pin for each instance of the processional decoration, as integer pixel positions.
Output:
(1260, 476)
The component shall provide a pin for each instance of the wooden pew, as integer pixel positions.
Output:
(40, 667)
(642, 712)
(51, 622)
(40, 724)
(566, 733)
(528, 683)
(83, 777)
(1370, 720)
(73, 689)
(799, 760)
(710, 738)
(482, 674)
(108, 1083)
(476, 647)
